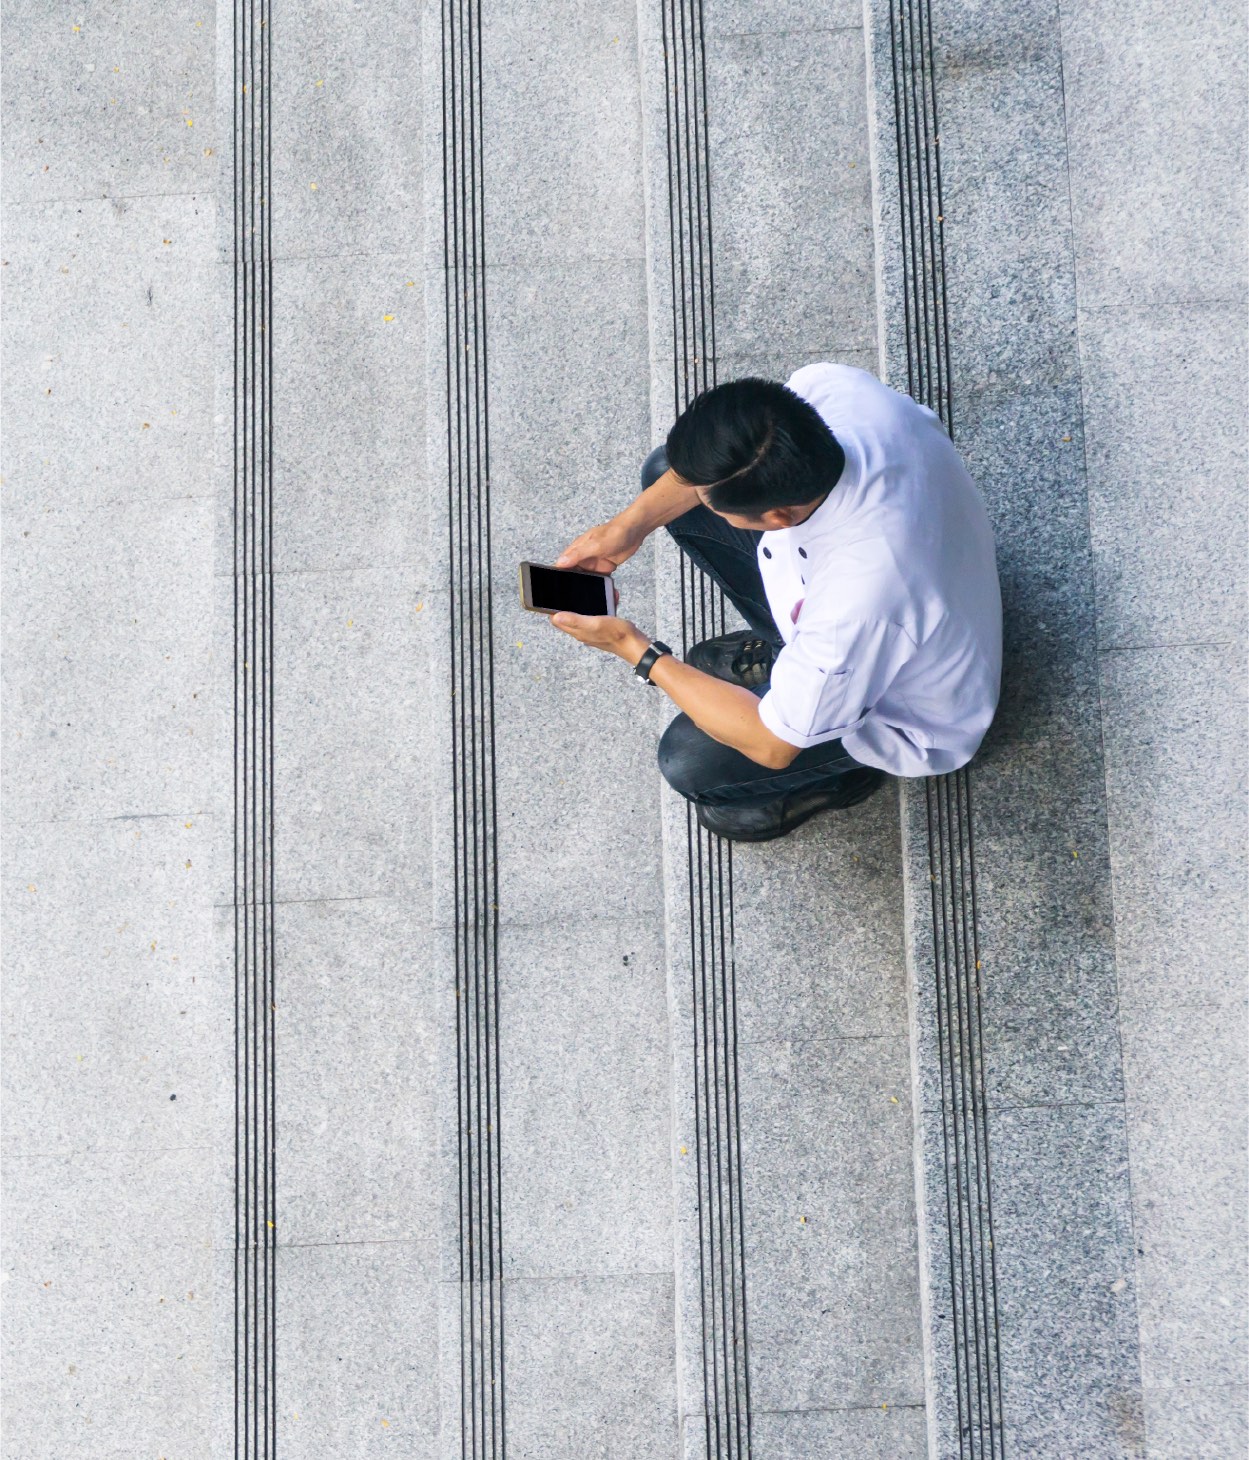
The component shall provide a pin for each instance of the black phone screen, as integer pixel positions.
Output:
(563, 592)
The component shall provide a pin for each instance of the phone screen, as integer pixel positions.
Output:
(564, 592)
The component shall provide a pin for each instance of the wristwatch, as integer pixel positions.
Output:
(645, 664)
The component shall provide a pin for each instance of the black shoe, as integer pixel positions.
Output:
(742, 658)
(764, 822)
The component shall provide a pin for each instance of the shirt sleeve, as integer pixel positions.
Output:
(827, 679)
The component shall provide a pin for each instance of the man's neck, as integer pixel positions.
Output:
(813, 508)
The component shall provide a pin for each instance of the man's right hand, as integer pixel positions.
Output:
(602, 549)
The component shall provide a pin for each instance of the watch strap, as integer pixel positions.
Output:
(644, 665)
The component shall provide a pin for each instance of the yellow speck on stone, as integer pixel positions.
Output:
(977, 965)
(153, 947)
(190, 122)
(187, 824)
(411, 284)
(893, 1099)
(884, 1406)
(313, 186)
(350, 622)
(166, 241)
(1075, 856)
(188, 865)
(321, 82)
(208, 152)
(385, 1424)
(116, 69)
(1066, 438)
(386, 318)
(418, 607)
(30, 887)
(81, 1057)
(803, 1220)
(147, 425)
(77, 28)
(269, 1225)
(684, 1152)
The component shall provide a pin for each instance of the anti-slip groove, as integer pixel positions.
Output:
(971, 1281)
(255, 1168)
(472, 729)
(717, 1120)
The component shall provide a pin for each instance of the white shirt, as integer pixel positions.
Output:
(887, 595)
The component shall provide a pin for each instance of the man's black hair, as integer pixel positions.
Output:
(756, 445)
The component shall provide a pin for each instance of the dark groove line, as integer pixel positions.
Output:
(975, 1326)
(474, 765)
(255, 1035)
(717, 1116)
(270, 724)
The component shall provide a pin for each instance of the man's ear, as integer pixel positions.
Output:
(775, 518)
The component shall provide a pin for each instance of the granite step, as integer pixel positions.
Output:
(798, 1300)
(1023, 1191)
(555, 1229)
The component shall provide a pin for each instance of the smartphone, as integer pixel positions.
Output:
(565, 590)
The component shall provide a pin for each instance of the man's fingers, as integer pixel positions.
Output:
(578, 554)
(577, 557)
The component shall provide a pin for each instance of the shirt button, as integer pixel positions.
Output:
(767, 552)
(802, 552)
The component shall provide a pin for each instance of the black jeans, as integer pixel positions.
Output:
(694, 764)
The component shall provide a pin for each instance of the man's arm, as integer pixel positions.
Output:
(666, 499)
(727, 712)
(602, 549)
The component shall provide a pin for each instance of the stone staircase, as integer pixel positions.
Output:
(464, 1097)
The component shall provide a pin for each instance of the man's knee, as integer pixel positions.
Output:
(654, 466)
(679, 755)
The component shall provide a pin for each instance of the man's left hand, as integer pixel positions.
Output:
(604, 631)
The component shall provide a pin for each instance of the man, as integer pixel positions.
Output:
(837, 516)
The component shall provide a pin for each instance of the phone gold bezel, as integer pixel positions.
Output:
(526, 586)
